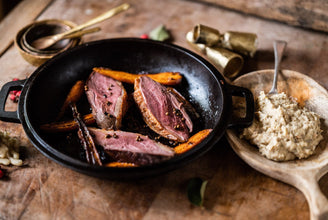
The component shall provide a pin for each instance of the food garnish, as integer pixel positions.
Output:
(73, 96)
(15, 94)
(192, 142)
(165, 78)
(120, 164)
(160, 33)
(196, 191)
(1, 173)
(87, 142)
(65, 126)
(9, 150)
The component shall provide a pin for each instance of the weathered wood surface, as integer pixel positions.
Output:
(45, 190)
(21, 16)
(312, 14)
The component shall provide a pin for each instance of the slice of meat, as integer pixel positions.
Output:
(192, 113)
(131, 147)
(161, 110)
(108, 100)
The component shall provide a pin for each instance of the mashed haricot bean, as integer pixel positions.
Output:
(282, 130)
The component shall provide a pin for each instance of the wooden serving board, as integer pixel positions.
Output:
(43, 189)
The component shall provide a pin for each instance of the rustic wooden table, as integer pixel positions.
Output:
(45, 190)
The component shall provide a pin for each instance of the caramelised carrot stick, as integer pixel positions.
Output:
(120, 164)
(73, 96)
(192, 142)
(65, 126)
(165, 78)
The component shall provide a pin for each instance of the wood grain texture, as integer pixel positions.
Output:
(21, 16)
(45, 190)
(310, 14)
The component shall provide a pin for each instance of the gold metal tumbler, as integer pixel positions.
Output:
(240, 42)
(205, 35)
(227, 62)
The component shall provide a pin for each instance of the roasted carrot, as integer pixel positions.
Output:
(65, 126)
(165, 78)
(120, 164)
(192, 142)
(73, 96)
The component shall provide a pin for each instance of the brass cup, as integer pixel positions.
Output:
(37, 58)
(227, 62)
(241, 42)
(205, 35)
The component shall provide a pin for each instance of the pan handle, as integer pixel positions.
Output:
(248, 119)
(9, 116)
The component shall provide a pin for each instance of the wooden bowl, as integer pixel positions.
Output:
(304, 174)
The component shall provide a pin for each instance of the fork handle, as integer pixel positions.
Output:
(279, 47)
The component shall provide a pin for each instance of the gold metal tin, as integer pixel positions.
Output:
(205, 35)
(227, 62)
(240, 42)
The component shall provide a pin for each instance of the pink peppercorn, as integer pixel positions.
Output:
(1, 174)
(144, 36)
(12, 97)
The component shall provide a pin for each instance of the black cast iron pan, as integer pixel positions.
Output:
(46, 89)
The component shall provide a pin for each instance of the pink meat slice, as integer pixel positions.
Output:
(131, 147)
(161, 110)
(108, 100)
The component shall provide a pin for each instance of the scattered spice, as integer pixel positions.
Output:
(177, 112)
(115, 135)
(144, 36)
(108, 136)
(177, 127)
(139, 138)
(14, 95)
(1, 173)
